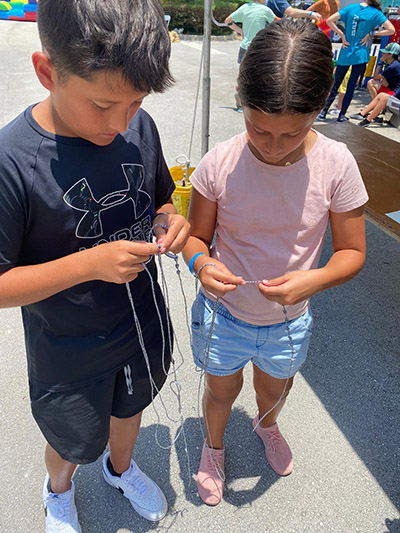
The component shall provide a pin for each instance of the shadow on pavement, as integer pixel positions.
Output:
(103, 508)
(354, 360)
(392, 525)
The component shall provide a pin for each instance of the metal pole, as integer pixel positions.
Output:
(205, 126)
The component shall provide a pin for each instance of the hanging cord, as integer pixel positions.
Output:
(196, 102)
(183, 160)
(219, 24)
(175, 386)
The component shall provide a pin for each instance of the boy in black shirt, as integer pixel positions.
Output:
(82, 181)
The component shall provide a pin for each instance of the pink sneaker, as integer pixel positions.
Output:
(211, 476)
(277, 450)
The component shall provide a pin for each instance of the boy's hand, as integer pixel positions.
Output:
(174, 239)
(120, 261)
(291, 288)
(218, 280)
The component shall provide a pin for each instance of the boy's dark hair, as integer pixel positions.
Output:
(83, 37)
(287, 68)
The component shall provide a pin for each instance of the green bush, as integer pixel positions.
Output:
(190, 16)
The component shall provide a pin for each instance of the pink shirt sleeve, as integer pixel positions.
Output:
(348, 191)
(203, 178)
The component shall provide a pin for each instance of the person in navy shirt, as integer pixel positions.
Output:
(387, 81)
(359, 21)
(282, 8)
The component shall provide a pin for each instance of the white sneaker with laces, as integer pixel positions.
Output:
(145, 496)
(60, 510)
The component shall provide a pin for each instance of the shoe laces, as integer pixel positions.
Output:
(274, 439)
(58, 505)
(135, 479)
(214, 463)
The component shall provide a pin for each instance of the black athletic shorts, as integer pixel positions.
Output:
(76, 423)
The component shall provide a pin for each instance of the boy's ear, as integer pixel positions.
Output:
(45, 70)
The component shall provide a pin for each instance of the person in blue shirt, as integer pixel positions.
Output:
(359, 21)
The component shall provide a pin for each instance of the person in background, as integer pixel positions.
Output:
(325, 8)
(359, 21)
(253, 17)
(379, 104)
(282, 8)
(388, 80)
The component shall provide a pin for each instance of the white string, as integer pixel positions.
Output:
(175, 386)
(203, 371)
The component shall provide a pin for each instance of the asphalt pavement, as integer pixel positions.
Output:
(342, 416)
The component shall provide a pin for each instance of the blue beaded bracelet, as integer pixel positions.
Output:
(191, 262)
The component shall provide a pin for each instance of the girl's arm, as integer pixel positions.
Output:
(389, 29)
(348, 242)
(202, 217)
(331, 22)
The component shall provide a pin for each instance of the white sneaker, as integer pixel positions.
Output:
(60, 510)
(145, 496)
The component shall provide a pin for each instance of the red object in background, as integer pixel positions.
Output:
(395, 38)
(29, 17)
(323, 26)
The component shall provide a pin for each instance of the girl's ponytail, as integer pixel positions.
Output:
(375, 3)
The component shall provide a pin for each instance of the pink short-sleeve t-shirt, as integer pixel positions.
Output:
(272, 219)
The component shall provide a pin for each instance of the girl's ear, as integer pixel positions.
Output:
(45, 70)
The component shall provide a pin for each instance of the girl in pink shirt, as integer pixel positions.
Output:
(268, 194)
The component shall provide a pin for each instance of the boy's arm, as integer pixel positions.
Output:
(348, 241)
(178, 228)
(234, 27)
(115, 262)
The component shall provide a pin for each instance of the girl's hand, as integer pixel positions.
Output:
(291, 288)
(218, 280)
(119, 261)
(345, 43)
(365, 40)
(174, 239)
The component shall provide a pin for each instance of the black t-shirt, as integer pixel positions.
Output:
(59, 195)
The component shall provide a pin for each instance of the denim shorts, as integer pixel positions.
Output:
(234, 343)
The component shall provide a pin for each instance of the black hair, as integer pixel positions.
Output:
(287, 68)
(375, 3)
(83, 37)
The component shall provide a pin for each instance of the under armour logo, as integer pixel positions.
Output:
(81, 197)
